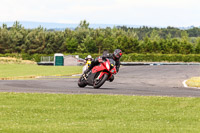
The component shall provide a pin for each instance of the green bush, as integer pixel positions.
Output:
(161, 57)
(83, 55)
(134, 57)
(14, 55)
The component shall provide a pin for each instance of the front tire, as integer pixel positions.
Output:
(100, 82)
(81, 82)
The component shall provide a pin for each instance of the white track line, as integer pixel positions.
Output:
(184, 83)
(77, 75)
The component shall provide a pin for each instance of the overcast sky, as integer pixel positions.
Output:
(123, 12)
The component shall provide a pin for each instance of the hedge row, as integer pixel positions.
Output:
(24, 56)
(126, 57)
(161, 57)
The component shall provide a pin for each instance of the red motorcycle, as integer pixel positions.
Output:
(99, 74)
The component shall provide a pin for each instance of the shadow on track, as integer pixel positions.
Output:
(102, 88)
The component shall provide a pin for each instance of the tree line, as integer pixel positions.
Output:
(170, 40)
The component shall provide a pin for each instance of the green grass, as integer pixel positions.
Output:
(193, 82)
(28, 70)
(59, 113)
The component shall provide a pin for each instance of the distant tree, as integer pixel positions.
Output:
(90, 45)
(98, 39)
(197, 47)
(84, 24)
(17, 39)
(154, 35)
(71, 44)
(35, 41)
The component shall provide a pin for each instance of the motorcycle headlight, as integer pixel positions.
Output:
(112, 71)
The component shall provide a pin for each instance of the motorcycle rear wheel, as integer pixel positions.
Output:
(100, 82)
(81, 82)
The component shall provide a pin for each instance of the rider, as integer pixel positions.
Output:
(115, 56)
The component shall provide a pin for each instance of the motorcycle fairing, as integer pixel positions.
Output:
(90, 79)
(102, 68)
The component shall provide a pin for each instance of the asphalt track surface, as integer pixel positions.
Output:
(131, 80)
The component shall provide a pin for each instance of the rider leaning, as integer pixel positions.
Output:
(115, 56)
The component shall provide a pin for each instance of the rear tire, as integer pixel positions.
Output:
(81, 82)
(98, 84)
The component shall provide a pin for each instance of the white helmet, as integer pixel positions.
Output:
(89, 57)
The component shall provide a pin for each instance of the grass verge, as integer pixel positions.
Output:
(193, 82)
(18, 71)
(56, 113)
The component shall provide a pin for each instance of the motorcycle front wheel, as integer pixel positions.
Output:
(99, 82)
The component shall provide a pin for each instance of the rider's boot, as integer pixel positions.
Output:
(90, 67)
(86, 71)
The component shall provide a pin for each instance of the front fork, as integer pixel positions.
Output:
(101, 74)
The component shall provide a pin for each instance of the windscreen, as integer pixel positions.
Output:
(112, 62)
